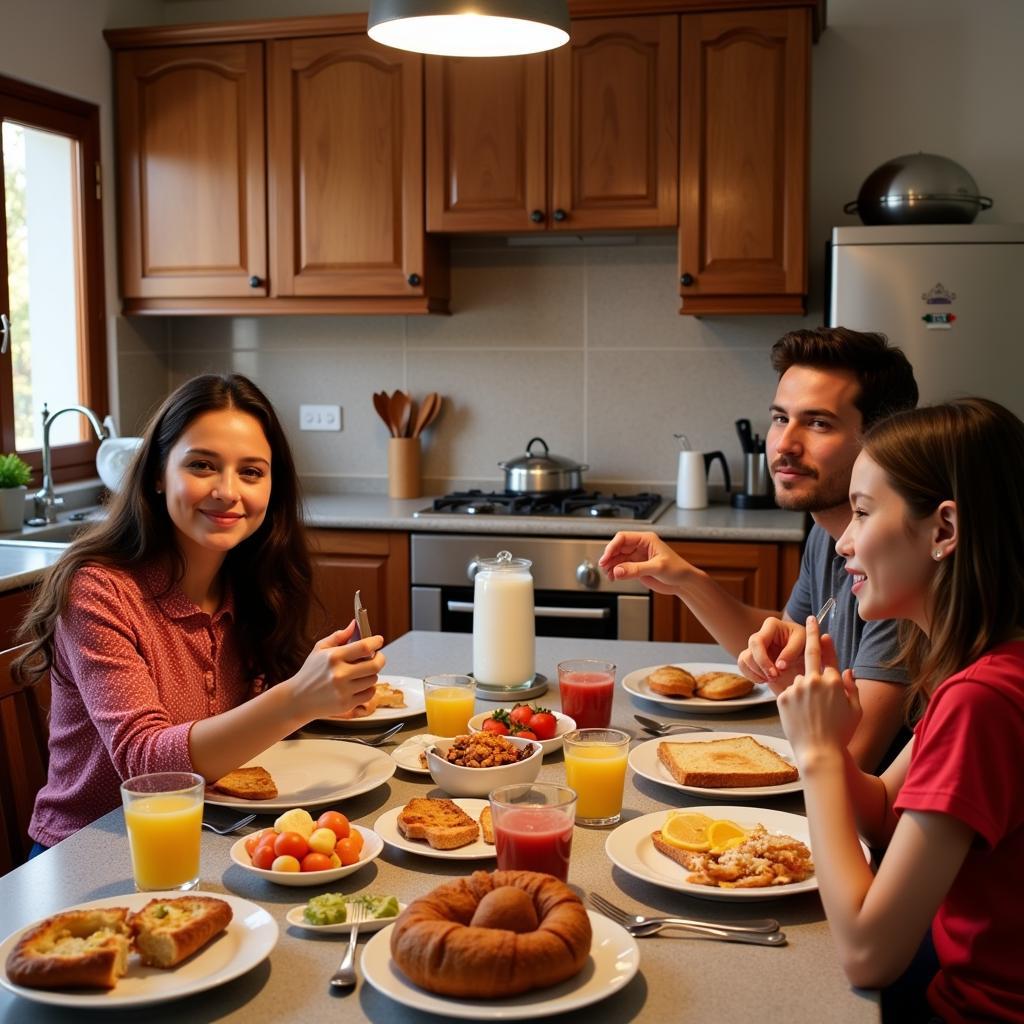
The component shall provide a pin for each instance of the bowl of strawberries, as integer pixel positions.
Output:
(528, 722)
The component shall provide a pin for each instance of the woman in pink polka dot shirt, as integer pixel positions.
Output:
(175, 632)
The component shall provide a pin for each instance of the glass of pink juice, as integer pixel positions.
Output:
(533, 825)
(587, 688)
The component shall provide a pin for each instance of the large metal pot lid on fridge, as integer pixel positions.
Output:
(919, 188)
(535, 473)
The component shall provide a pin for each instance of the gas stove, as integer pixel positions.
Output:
(580, 504)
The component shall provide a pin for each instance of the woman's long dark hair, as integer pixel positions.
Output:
(269, 572)
(971, 452)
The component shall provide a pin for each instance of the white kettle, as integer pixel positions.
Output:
(692, 479)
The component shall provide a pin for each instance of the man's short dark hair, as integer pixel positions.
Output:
(886, 377)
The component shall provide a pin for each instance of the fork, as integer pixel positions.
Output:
(663, 728)
(345, 975)
(226, 830)
(761, 932)
(367, 741)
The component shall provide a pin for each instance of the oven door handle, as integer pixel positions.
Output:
(546, 611)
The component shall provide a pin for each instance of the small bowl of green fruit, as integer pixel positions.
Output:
(330, 912)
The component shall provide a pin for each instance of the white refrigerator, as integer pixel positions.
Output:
(950, 295)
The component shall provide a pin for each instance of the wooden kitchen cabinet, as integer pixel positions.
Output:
(373, 562)
(743, 174)
(582, 139)
(14, 605)
(192, 176)
(761, 575)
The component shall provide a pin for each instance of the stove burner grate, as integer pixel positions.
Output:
(573, 503)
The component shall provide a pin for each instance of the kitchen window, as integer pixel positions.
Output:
(51, 274)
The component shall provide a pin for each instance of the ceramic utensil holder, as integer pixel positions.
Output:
(404, 467)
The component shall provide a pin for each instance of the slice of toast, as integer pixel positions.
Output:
(683, 857)
(443, 824)
(389, 696)
(169, 930)
(487, 825)
(724, 764)
(253, 783)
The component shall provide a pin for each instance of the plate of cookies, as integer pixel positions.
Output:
(395, 699)
(699, 687)
(136, 949)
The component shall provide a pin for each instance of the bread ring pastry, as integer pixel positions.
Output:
(723, 686)
(435, 945)
(672, 681)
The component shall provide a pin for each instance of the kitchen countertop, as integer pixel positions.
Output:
(714, 981)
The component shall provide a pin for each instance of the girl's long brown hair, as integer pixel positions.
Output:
(970, 451)
(269, 573)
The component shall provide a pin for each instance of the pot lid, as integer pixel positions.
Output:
(539, 463)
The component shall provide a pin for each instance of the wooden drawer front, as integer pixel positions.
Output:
(193, 211)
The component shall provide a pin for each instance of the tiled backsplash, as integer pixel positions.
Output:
(583, 346)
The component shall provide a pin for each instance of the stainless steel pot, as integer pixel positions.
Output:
(919, 188)
(542, 474)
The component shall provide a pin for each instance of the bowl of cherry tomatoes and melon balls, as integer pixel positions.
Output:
(299, 850)
(529, 722)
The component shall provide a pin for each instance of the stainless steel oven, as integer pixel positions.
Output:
(572, 598)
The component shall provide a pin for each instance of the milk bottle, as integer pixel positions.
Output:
(503, 633)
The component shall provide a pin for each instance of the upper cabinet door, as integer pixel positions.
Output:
(486, 156)
(614, 110)
(743, 216)
(192, 189)
(345, 138)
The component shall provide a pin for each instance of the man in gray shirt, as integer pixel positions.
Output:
(833, 383)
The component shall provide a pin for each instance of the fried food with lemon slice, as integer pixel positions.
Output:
(724, 854)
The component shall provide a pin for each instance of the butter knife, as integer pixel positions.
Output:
(362, 619)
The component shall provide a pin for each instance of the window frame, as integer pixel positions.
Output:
(46, 110)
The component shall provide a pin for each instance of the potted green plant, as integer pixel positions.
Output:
(15, 473)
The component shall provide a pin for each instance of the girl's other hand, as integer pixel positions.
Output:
(338, 674)
(821, 710)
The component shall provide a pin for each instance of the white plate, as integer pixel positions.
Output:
(631, 848)
(614, 959)
(564, 724)
(414, 705)
(312, 772)
(636, 684)
(372, 847)
(644, 761)
(407, 756)
(247, 941)
(386, 826)
(294, 916)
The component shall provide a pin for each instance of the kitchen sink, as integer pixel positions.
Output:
(62, 532)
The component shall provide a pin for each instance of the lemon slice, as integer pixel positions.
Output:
(687, 830)
(724, 835)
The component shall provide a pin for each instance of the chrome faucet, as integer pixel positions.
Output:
(46, 502)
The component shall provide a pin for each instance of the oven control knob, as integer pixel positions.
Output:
(472, 569)
(587, 575)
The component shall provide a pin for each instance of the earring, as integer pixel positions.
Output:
(937, 554)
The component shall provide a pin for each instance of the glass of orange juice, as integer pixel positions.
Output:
(595, 766)
(450, 704)
(164, 814)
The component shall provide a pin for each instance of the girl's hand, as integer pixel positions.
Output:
(337, 675)
(646, 557)
(821, 710)
(771, 652)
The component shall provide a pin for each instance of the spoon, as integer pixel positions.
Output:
(425, 414)
(380, 403)
(399, 408)
(661, 728)
(435, 408)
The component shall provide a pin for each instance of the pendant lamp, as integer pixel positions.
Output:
(470, 28)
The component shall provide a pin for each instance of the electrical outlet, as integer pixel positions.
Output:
(320, 417)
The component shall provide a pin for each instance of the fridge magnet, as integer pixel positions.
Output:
(940, 295)
(938, 321)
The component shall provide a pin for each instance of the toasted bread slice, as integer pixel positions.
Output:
(487, 825)
(684, 857)
(248, 783)
(723, 686)
(167, 931)
(76, 949)
(724, 764)
(443, 824)
(388, 696)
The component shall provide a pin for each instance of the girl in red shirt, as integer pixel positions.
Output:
(937, 540)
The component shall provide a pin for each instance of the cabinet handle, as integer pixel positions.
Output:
(415, 280)
(5, 333)
(686, 280)
(537, 216)
(560, 214)
(255, 282)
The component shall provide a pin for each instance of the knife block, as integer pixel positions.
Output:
(404, 467)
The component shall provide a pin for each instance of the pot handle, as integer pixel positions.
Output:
(530, 443)
(709, 458)
(850, 207)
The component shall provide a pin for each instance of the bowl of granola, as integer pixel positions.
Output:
(474, 764)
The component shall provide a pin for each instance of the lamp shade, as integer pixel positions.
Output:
(470, 28)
